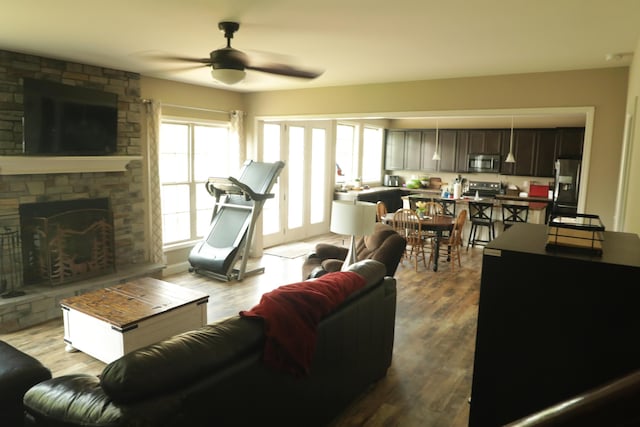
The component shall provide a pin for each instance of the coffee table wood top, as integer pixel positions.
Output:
(131, 302)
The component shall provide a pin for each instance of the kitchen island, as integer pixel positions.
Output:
(551, 323)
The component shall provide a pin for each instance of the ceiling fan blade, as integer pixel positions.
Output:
(204, 61)
(285, 70)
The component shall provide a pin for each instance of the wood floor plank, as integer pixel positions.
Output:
(429, 381)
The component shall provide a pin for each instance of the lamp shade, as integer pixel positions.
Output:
(227, 75)
(354, 219)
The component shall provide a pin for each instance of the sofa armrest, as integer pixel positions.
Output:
(328, 251)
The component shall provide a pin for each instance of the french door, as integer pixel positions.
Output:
(301, 205)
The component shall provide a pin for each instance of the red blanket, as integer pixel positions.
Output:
(291, 314)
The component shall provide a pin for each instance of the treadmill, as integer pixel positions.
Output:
(238, 204)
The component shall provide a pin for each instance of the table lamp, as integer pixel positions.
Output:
(354, 219)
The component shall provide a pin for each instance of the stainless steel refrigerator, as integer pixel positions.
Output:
(567, 186)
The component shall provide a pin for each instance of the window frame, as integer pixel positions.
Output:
(192, 183)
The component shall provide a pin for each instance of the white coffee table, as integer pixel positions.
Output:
(108, 323)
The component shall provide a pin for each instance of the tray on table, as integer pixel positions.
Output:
(581, 233)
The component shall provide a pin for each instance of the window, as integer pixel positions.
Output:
(190, 153)
(372, 154)
(358, 153)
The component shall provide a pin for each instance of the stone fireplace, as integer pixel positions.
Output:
(24, 180)
(66, 241)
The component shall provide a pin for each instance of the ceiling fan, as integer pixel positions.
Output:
(228, 65)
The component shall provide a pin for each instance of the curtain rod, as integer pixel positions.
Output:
(186, 107)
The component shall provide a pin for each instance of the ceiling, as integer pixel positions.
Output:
(353, 41)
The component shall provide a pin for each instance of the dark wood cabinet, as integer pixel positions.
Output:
(535, 150)
(394, 150)
(570, 142)
(412, 150)
(545, 153)
(448, 148)
(551, 325)
(485, 141)
(524, 146)
(428, 147)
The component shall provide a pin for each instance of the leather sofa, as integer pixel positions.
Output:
(215, 376)
(384, 245)
(18, 372)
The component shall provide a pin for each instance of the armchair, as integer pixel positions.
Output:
(384, 245)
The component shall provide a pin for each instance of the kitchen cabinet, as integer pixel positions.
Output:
(485, 141)
(428, 148)
(524, 146)
(412, 150)
(394, 150)
(448, 146)
(462, 151)
(545, 153)
(570, 142)
(545, 337)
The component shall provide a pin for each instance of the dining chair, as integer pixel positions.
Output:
(406, 223)
(453, 242)
(512, 214)
(381, 211)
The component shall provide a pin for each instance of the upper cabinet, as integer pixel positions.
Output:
(394, 150)
(485, 141)
(535, 150)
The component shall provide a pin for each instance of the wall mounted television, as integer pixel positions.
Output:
(63, 120)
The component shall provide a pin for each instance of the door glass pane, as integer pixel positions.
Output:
(345, 135)
(318, 175)
(271, 153)
(295, 206)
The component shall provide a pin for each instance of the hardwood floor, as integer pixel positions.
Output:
(429, 381)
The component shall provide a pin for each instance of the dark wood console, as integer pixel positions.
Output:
(551, 324)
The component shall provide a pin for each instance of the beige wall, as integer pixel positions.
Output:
(603, 89)
(632, 194)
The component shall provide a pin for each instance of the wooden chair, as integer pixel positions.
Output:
(512, 214)
(406, 223)
(453, 242)
(381, 211)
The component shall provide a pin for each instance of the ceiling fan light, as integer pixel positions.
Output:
(227, 75)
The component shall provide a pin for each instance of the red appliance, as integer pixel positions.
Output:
(539, 190)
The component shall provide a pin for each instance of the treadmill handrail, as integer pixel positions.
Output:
(231, 185)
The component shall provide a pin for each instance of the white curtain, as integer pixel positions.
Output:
(236, 137)
(154, 114)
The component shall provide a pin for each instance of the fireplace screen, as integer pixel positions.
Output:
(66, 241)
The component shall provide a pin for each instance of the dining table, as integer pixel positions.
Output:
(437, 224)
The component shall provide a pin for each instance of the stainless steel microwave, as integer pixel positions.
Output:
(484, 163)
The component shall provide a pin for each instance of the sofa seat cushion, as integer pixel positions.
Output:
(168, 365)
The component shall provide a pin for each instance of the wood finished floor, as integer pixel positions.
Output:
(429, 381)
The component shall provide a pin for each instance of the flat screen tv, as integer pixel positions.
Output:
(63, 120)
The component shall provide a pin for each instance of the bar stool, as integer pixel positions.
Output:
(481, 215)
(448, 206)
(512, 214)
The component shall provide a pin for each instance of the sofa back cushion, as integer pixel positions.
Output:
(178, 361)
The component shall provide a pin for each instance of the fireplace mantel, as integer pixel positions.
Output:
(26, 165)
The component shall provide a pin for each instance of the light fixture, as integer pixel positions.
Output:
(354, 219)
(510, 158)
(227, 75)
(436, 154)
